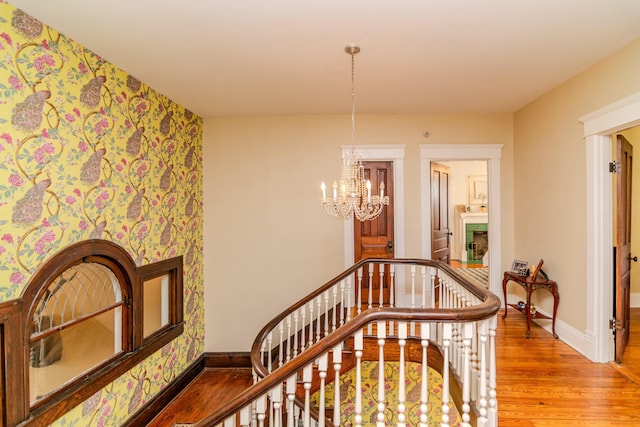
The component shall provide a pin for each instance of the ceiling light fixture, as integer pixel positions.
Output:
(352, 194)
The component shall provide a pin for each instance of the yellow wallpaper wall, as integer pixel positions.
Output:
(88, 151)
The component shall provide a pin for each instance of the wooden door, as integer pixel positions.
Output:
(440, 228)
(624, 153)
(374, 239)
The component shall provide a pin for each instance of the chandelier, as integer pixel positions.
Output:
(351, 195)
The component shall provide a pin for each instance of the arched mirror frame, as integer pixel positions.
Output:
(15, 327)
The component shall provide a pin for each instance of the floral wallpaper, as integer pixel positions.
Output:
(88, 151)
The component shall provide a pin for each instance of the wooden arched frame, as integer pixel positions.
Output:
(15, 326)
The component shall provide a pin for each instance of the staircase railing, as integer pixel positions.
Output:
(419, 301)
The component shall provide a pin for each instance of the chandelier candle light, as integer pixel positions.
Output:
(352, 195)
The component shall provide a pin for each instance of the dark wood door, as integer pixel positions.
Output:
(440, 228)
(624, 152)
(374, 239)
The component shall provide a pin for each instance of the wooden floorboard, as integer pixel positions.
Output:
(541, 382)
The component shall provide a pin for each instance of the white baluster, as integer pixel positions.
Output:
(307, 373)
(349, 289)
(335, 308)
(433, 291)
(322, 373)
(310, 323)
(402, 341)
(466, 373)
(359, 299)
(303, 338)
(337, 362)
(392, 285)
(319, 318)
(413, 286)
(370, 301)
(358, 347)
(326, 313)
(269, 346)
(280, 353)
(343, 307)
(493, 402)
(424, 287)
(261, 407)
(381, 268)
(290, 390)
(276, 401)
(425, 330)
(446, 343)
(381, 407)
(230, 421)
(295, 333)
(483, 331)
(245, 416)
(288, 338)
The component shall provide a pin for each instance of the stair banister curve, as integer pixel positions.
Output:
(459, 319)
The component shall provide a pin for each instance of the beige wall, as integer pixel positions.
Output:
(549, 175)
(268, 241)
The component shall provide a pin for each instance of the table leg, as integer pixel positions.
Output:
(556, 300)
(504, 292)
(528, 313)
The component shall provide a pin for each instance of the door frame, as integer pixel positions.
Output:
(599, 126)
(492, 153)
(386, 153)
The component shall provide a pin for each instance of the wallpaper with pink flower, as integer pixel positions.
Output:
(88, 151)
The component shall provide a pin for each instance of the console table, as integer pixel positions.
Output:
(531, 285)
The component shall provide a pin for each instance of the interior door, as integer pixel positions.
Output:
(374, 239)
(624, 154)
(440, 228)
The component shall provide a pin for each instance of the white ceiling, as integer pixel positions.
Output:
(263, 57)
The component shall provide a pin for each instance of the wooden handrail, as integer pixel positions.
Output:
(487, 308)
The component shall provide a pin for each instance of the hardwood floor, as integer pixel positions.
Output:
(541, 382)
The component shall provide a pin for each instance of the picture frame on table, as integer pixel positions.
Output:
(520, 267)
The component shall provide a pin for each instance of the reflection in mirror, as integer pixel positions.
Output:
(76, 326)
(156, 304)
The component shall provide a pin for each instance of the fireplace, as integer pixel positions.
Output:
(477, 241)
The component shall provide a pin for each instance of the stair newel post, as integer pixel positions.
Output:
(337, 362)
(290, 389)
(413, 286)
(358, 347)
(381, 268)
(323, 362)
(334, 321)
(425, 332)
(326, 313)
(493, 402)
(446, 343)
(381, 329)
(483, 330)
(310, 323)
(307, 374)
(466, 373)
(359, 298)
(295, 333)
(402, 409)
(280, 353)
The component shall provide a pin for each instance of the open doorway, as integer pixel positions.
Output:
(490, 155)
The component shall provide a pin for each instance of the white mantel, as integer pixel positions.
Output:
(461, 221)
